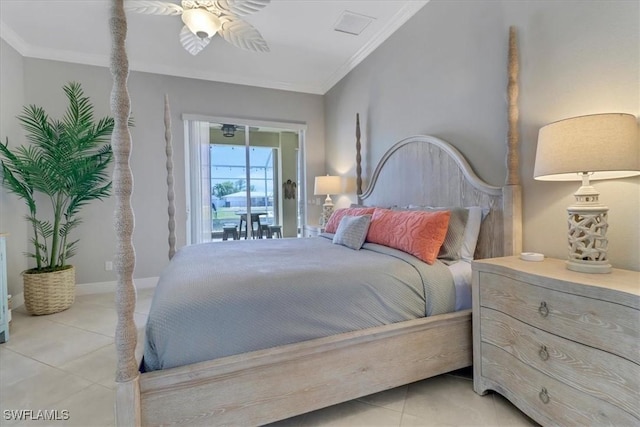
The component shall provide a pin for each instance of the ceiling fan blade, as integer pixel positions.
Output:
(150, 7)
(243, 35)
(192, 43)
(193, 4)
(241, 7)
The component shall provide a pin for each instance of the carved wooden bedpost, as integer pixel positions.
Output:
(512, 191)
(127, 375)
(358, 159)
(170, 192)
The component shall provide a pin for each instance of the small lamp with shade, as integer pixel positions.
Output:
(327, 185)
(584, 148)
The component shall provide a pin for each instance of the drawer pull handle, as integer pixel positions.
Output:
(543, 309)
(544, 354)
(544, 395)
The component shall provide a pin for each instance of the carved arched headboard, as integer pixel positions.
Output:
(439, 176)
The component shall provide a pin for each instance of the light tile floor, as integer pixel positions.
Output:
(66, 362)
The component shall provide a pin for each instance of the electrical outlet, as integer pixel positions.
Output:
(108, 265)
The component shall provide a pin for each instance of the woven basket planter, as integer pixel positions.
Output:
(48, 293)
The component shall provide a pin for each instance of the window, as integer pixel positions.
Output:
(238, 170)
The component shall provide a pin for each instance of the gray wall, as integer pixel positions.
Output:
(289, 157)
(444, 73)
(43, 81)
(12, 212)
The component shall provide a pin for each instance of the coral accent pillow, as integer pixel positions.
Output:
(415, 232)
(336, 216)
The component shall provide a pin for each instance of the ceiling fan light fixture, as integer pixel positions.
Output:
(201, 22)
(228, 130)
(204, 18)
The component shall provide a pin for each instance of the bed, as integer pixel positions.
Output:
(273, 383)
(293, 290)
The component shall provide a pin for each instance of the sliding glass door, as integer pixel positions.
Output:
(237, 177)
(233, 191)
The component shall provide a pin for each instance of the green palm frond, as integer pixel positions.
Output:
(41, 246)
(68, 161)
(39, 130)
(66, 228)
(45, 228)
(13, 182)
(69, 251)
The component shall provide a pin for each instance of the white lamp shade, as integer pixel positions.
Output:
(326, 185)
(202, 23)
(605, 145)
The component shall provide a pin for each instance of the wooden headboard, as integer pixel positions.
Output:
(441, 177)
(427, 171)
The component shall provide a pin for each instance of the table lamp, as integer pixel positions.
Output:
(598, 146)
(327, 185)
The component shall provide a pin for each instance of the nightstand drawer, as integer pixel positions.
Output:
(591, 371)
(553, 402)
(609, 326)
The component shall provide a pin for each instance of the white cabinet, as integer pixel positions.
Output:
(562, 346)
(4, 310)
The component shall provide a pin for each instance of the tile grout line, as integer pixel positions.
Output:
(404, 404)
(57, 367)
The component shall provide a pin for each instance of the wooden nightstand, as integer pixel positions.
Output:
(562, 346)
(313, 230)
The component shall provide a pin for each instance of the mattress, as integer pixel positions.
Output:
(220, 299)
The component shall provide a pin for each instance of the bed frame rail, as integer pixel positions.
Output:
(269, 385)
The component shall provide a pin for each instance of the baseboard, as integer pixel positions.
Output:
(17, 301)
(95, 288)
(104, 287)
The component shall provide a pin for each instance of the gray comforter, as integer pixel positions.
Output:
(220, 299)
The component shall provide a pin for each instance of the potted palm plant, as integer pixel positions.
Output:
(62, 169)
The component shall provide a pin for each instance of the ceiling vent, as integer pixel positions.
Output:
(352, 23)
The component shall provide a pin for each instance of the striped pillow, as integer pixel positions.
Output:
(472, 231)
(352, 231)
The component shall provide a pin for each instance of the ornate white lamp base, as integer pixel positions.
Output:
(327, 210)
(588, 232)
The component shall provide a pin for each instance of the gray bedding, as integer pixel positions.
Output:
(220, 299)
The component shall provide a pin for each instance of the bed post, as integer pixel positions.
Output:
(127, 375)
(170, 192)
(358, 160)
(512, 191)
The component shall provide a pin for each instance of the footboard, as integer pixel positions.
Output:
(269, 385)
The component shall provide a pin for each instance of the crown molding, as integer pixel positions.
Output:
(398, 20)
(30, 51)
(13, 39)
(224, 78)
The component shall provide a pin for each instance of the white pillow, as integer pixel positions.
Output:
(471, 232)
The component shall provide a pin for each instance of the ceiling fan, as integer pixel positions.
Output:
(205, 18)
